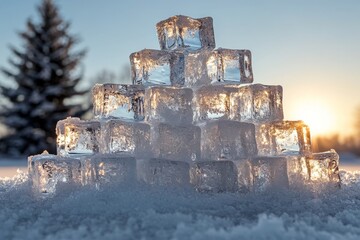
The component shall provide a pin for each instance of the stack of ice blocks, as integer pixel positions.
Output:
(190, 117)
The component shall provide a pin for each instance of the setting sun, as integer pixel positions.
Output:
(315, 114)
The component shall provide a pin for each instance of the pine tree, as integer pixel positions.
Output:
(45, 73)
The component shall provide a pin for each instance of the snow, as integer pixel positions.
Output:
(143, 212)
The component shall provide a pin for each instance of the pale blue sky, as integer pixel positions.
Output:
(309, 47)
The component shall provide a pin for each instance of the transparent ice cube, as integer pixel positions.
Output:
(212, 102)
(163, 172)
(169, 104)
(221, 66)
(182, 32)
(214, 176)
(47, 171)
(157, 67)
(119, 101)
(103, 169)
(233, 66)
(227, 140)
(197, 68)
(257, 103)
(176, 142)
(324, 167)
(283, 138)
(269, 173)
(129, 137)
(77, 137)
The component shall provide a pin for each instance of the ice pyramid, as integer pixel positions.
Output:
(190, 117)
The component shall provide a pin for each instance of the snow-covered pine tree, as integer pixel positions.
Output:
(45, 74)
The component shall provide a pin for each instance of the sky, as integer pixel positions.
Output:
(311, 48)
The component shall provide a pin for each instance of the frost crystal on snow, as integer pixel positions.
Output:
(190, 117)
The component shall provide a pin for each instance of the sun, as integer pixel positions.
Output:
(316, 115)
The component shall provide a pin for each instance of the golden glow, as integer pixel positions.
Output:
(316, 115)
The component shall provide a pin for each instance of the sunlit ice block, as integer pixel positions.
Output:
(227, 140)
(47, 171)
(212, 102)
(118, 101)
(221, 66)
(157, 67)
(169, 104)
(102, 169)
(163, 172)
(176, 142)
(214, 176)
(131, 137)
(182, 32)
(231, 66)
(269, 173)
(257, 103)
(77, 137)
(324, 167)
(283, 138)
(199, 68)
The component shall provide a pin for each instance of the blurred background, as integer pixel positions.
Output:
(311, 48)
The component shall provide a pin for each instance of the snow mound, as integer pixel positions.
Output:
(143, 212)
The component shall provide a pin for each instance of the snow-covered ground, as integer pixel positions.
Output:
(143, 212)
(9, 166)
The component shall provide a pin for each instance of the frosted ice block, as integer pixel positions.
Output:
(163, 172)
(77, 137)
(227, 140)
(176, 142)
(214, 176)
(297, 170)
(101, 169)
(118, 101)
(129, 137)
(256, 103)
(283, 138)
(182, 32)
(269, 173)
(244, 175)
(169, 104)
(157, 67)
(47, 171)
